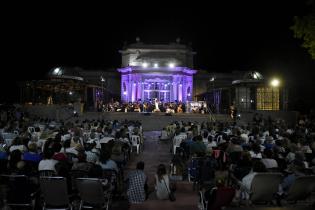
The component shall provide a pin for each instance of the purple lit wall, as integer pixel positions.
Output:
(165, 83)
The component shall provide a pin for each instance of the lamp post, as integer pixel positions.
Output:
(211, 80)
(274, 85)
(102, 83)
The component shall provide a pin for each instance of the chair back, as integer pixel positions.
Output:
(47, 173)
(54, 191)
(301, 188)
(19, 190)
(31, 130)
(135, 140)
(77, 174)
(264, 186)
(91, 191)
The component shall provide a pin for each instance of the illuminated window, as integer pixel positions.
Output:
(267, 98)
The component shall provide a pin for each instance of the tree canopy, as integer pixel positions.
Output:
(304, 28)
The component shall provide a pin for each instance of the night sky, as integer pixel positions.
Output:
(227, 36)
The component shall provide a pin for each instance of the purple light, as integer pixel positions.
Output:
(133, 87)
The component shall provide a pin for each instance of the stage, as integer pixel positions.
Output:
(150, 121)
(153, 121)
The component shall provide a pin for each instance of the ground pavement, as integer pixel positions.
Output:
(155, 153)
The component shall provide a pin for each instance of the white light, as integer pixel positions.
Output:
(70, 92)
(125, 92)
(171, 65)
(145, 65)
(180, 84)
(212, 79)
(275, 83)
(252, 101)
(188, 94)
(242, 99)
(133, 64)
(57, 71)
(255, 76)
(156, 65)
(134, 84)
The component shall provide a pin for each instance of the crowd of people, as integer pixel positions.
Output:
(149, 106)
(225, 154)
(212, 155)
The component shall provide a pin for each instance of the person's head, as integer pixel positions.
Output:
(140, 165)
(258, 166)
(32, 147)
(161, 171)
(268, 153)
(15, 157)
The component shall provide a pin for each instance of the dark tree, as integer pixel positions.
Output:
(304, 28)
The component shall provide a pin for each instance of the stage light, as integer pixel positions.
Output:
(156, 65)
(145, 65)
(171, 65)
(125, 92)
(70, 92)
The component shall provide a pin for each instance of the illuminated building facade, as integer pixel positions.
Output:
(164, 72)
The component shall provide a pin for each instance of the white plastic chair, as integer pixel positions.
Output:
(31, 130)
(176, 142)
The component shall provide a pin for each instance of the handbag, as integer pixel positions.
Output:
(171, 195)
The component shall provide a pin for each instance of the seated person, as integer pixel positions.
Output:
(164, 135)
(136, 185)
(162, 183)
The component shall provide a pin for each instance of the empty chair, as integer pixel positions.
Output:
(301, 189)
(55, 193)
(31, 130)
(8, 138)
(20, 191)
(135, 142)
(176, 142)
(264, 186)
(92, 194)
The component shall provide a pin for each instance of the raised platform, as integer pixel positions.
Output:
(153, 121)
